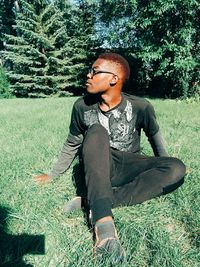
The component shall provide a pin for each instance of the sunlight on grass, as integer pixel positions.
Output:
(160, 232)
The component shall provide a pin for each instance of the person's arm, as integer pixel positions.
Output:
(69, 150)
(67, 154)
(151, 129)
(158, 145)
(65, 158)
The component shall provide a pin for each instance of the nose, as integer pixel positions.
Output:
(89, 75)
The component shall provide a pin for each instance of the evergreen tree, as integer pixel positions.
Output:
(80, 19)
(4, 85)
(2, 12)
(40, 57)
(7, 19)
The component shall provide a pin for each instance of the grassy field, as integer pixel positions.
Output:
(34, 231)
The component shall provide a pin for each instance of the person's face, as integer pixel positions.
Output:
(101, 77)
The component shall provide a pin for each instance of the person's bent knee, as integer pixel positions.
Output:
(176, 175)
(96, 129)
(178, 169)
(95, 139)
(96, 132)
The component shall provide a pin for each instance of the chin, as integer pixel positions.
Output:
(90, 91)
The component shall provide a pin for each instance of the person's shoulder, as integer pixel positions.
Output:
(78, 104)
(85, 101)
(79, 101)
(137, 101)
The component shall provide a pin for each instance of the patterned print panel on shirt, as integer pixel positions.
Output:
(120, 125)
(122, 128)
(90, 117)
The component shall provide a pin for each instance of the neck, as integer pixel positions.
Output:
(108, 102)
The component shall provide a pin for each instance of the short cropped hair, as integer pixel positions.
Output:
(118, 59)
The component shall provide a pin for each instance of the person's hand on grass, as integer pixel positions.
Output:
(42, 178)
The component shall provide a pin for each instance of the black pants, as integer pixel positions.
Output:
(113, 178)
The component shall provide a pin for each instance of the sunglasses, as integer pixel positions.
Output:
(93, 72)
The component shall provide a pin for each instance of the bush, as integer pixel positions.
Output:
(4, 85)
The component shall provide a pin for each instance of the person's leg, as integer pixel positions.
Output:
(97, 168)
(136, 178)
(97, 164)
(142, 178)
(78, 179)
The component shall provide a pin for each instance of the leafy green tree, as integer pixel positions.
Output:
(167, 30)
(160, 39)
(57, 40)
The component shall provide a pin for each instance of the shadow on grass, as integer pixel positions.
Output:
(14, 247)
(191, 225)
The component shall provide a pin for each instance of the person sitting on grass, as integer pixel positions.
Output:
(105, 131)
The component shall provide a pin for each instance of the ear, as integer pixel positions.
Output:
(114, 80)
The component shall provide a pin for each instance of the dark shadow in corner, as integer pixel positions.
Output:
(14, 247)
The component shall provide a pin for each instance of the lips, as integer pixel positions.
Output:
(88, 83)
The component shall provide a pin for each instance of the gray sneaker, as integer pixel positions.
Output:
(111, 249)
(80, 203)
(107, 244)
(73, 204)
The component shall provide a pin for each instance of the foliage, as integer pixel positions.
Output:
(4, 85)
(48, 55)
(161, 41)
(7, 19)
(168, 45)
(37, 55)
(80, 19)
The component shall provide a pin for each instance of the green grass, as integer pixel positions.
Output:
(158, 233)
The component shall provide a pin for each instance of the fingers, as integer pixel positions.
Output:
(42, 179)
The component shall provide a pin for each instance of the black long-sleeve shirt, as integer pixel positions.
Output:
(123, 124)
